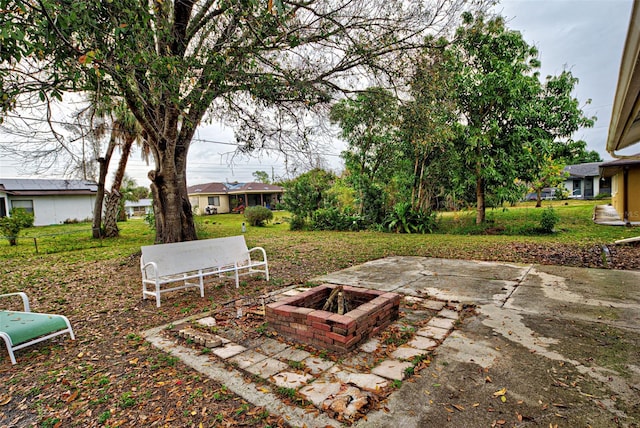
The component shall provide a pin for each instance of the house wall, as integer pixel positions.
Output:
(634, 192)
(200, 202)
(618, 191)
(56, 209)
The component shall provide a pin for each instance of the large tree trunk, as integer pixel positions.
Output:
(111, 214)
(113, 201)
(104, 167)
(171, 206)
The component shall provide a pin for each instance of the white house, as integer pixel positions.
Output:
(139, 208)
(584, 181)
(50, 201)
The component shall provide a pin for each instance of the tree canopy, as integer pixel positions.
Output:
(177, 63)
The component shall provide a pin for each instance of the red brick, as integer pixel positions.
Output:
(321, 326)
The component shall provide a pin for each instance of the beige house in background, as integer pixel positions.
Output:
(220, 198)
(624, 129)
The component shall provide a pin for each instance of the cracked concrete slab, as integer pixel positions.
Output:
(537, 346)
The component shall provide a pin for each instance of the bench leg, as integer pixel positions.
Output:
(235, 270)
(7, 342)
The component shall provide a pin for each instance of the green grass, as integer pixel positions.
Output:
(73, 242)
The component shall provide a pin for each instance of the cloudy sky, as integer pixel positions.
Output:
(583, 36)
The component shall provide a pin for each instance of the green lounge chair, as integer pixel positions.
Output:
(20, 329)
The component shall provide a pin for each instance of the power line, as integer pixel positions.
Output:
(79, 125)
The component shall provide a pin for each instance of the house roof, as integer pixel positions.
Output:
(41, 187)
(609, 169)
(582, 170)
(233, 188)
(144, 202)
(624, 128)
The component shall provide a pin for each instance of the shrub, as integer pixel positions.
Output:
(548, 220)
(296, 223)
(10, 227)
(405, 219)
(334, 219)
(258, 215)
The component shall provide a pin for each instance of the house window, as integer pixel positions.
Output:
(26, 204)
(213, 200)
(3, 208)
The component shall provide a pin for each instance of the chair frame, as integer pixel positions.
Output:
(6, 335)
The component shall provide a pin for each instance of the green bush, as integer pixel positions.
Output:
(548, 220)
(404, 219)
(258, 215)
(334, 219)
(296, 223)
(11, 226)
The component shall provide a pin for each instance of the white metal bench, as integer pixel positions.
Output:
(24, 328)
(162, 264)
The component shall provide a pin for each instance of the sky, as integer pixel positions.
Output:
(583, 36)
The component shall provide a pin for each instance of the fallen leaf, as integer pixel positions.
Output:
(72, 396)
(6, 400)
(458, 407)
(500, 392)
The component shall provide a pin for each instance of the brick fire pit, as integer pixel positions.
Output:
(302, 319)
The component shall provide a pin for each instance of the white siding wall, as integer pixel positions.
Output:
(56, 209)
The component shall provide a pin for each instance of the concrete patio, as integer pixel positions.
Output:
(537, 345)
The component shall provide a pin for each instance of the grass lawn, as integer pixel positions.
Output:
(110, 376)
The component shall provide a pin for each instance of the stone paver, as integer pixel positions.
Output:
(366, 381)
(434, 305)
(291, 379)
(448, 313)
(271, 347)
(292, 354)
(370, 345)
(406, 352)
(421, 342)
(433, 332)
(318, 391)
(207, 321)
(267, 368)
(229, 350)
(392, 369)
(317, 365)
(247, 358)
(444, 323)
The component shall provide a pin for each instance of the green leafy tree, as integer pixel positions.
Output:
(11, 226)
(308, 193)
(510, 118)
(261, 177)
(429, 127)
(175, 63)
(369, 125)
(575, 152)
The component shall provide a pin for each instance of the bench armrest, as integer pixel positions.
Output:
(25, 299)
(260, 249)
(153, 265)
